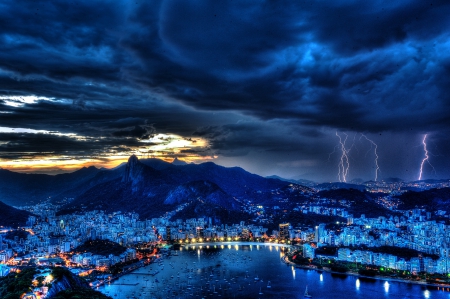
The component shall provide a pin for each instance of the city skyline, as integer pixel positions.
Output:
(271, 88)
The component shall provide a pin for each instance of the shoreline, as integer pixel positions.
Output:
(378, 277)
(236, 243)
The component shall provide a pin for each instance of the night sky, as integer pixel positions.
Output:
(264, 85)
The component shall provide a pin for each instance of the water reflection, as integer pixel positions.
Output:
(321, 277)
(358, 283)
(426, 294)
(386, 287)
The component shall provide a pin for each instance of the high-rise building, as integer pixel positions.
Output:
(344, 254)
(199, 232)
(415, 265)
(319, 232)
(168, 233)
(65, 247)
(421, 263)
(308, 251)
(284, 230)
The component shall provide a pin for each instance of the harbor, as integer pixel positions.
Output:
(248, 270)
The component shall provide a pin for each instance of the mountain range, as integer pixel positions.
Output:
(148, 186)
(152, 187)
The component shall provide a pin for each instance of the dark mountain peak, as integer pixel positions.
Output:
(133, 159)
(133, 170)
(178, 162)
(86, 170)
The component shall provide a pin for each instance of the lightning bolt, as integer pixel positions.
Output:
(334, 150)
(344, 163)
(426, 158)
(377, 169)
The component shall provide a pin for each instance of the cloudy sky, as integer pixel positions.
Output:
(271, 86)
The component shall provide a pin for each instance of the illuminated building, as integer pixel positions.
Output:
(284, 230)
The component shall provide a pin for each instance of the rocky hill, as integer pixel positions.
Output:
(68, 285)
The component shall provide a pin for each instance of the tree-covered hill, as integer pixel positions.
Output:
(101, 247)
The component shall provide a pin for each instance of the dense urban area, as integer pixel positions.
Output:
(98, 246)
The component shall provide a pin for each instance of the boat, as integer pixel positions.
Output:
(306, 295)
(268, 284)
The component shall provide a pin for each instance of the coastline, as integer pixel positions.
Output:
(236, 243)
(377, 277)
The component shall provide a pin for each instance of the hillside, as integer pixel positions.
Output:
(432, 200)
(23, 189)
(204, 190)
(64, 285)
(357, 202)
(219, 215)
(12, 217)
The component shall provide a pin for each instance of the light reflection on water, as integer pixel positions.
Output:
(231, 270)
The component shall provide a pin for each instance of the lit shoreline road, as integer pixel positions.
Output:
(237, 243)
(325, 269)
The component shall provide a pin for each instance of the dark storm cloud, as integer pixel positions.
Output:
(291, 70)
(310, 61)
(97, 121)
(17, 145)
(340, 64)
(140, 132)
(275, 136)
(28, 145)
